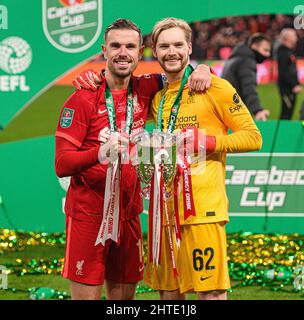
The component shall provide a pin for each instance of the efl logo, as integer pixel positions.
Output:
(15, 58)
(3, 18)
(298, 22)
(72, 25)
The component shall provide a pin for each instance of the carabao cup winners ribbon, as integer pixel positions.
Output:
(184, 172)
(109, 228)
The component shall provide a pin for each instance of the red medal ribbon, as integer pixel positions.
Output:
(176, 213)
(151, 220)
(184, 168)
(163, 206)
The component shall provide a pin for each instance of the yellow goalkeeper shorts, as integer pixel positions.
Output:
(201, 260)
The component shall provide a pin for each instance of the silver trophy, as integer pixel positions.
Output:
(152, 149)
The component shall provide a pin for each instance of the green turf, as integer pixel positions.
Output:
(270, 100)
(58, 283)
(40, 118)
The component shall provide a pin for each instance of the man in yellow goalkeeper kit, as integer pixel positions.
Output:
(201, 259)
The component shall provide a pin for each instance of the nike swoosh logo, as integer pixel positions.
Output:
(101, 112)
(205, 278)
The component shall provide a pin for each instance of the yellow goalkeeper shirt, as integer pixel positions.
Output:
(216, 110)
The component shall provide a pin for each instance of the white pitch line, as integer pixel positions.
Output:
(263, 214)
(259, 214)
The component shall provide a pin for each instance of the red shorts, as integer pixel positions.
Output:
(86, 263)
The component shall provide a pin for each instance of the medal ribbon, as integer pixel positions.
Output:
(109, 228)
(189, 208)
(184, 169)
(176, 104)
(187, 178)
(111, 110)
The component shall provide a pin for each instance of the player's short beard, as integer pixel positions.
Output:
(183, 64)
(124, 74)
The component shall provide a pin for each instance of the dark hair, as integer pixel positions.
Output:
(258, 38)
(120, 24)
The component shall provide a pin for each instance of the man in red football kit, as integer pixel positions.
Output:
(121, 103)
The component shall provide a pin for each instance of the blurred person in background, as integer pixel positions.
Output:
(148, 53)
(241, 71)
(288, 82)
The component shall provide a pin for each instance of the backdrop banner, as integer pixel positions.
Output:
(265, 188)
(42, 40)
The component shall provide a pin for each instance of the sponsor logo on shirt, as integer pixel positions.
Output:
(205, 278)
(238, 104)
(138, 123)
(102, 111)
(185, 121)
(136, 106)
(236, 98)
(236, 108)
(137, 126)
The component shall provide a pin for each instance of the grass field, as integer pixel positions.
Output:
(40, 118)
(58, 283)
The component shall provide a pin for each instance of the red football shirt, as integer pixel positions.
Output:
(82, 117)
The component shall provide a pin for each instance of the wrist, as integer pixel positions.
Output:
(210, 144)
(103, 154)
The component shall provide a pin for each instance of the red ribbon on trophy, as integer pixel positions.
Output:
(184, 170)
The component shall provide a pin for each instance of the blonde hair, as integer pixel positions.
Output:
(169, 23)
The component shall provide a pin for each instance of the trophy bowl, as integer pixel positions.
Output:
(157, 148)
